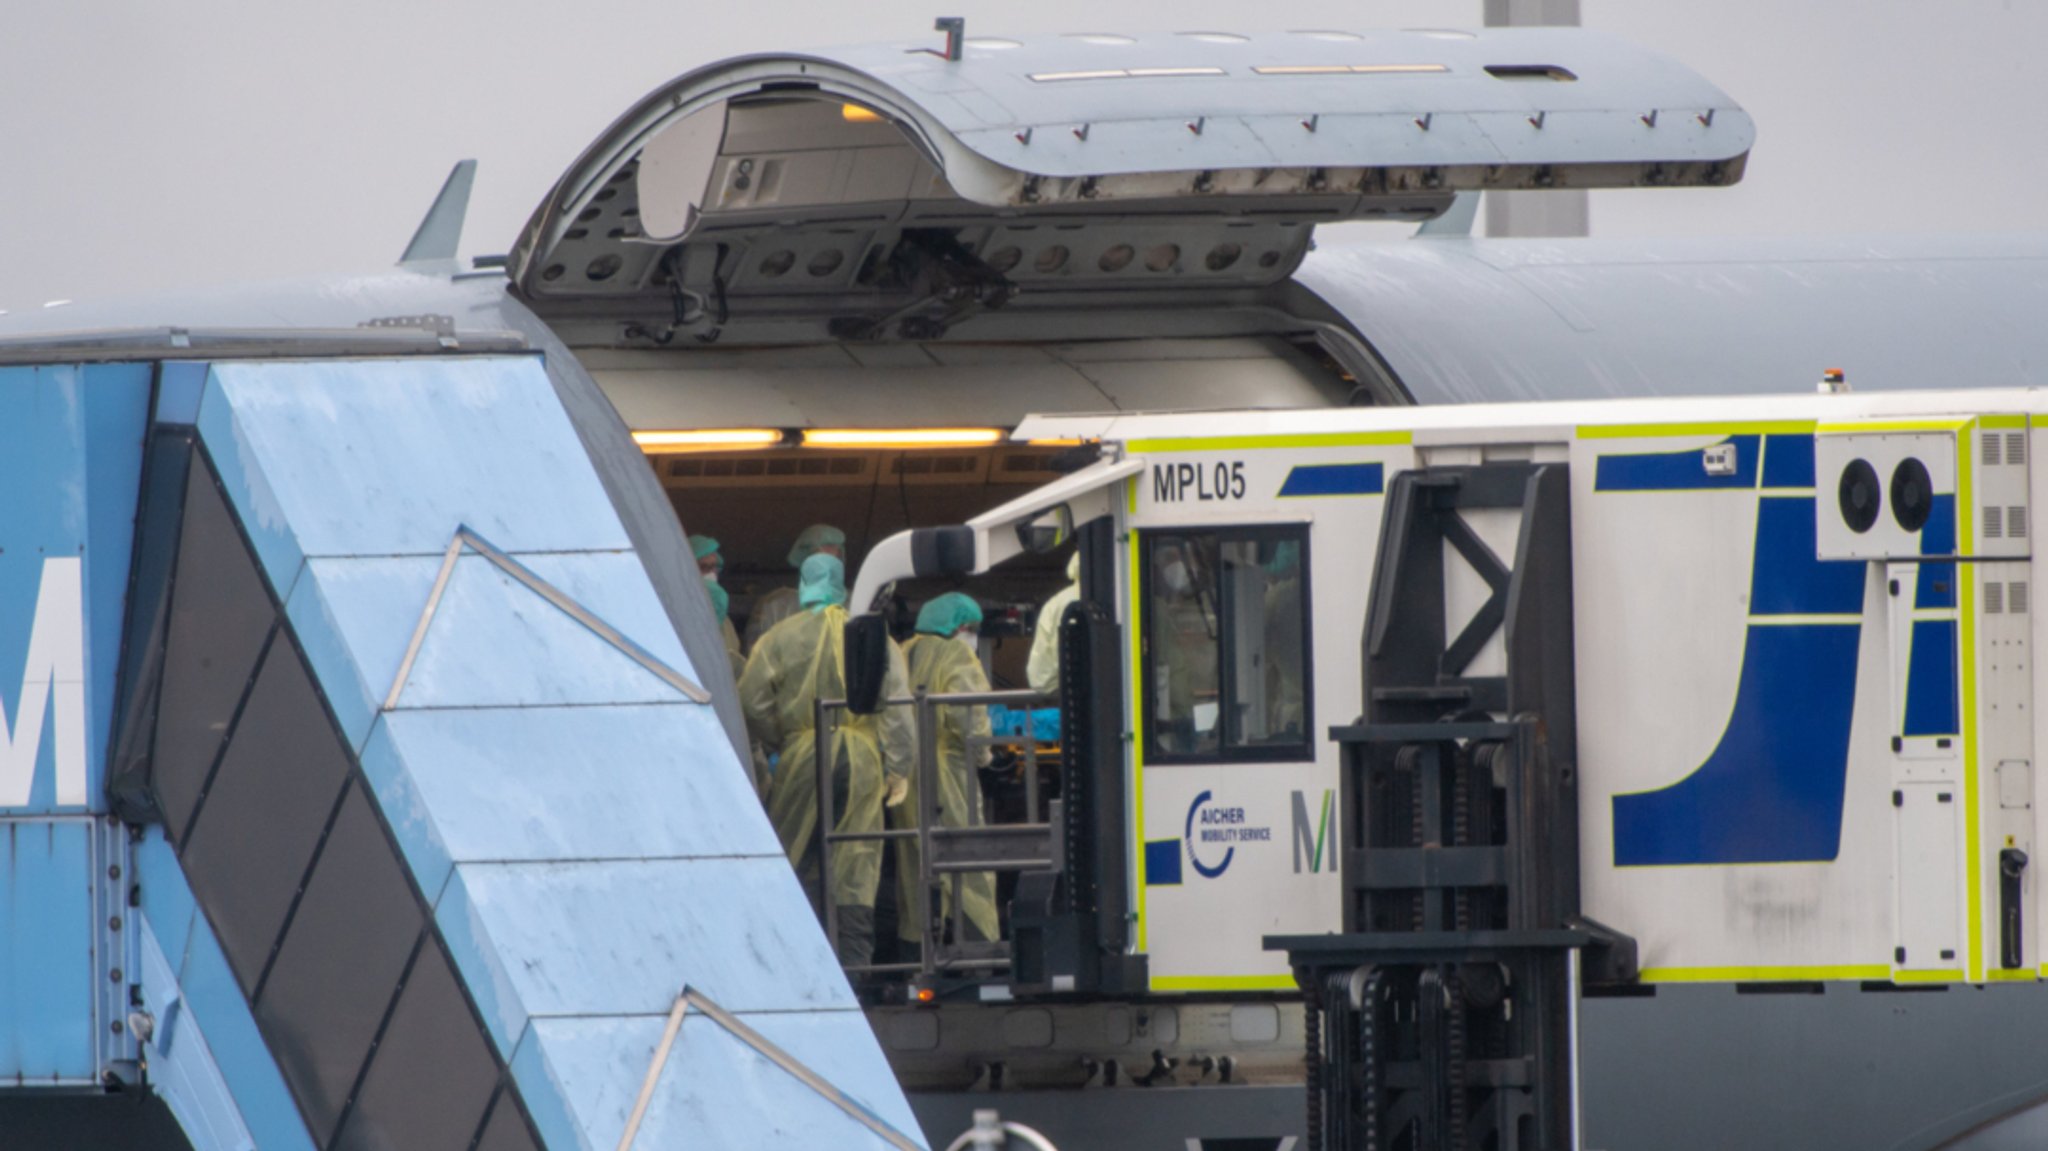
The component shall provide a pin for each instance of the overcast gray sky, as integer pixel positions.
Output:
(146, 145)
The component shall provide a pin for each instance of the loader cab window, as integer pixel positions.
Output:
(1226, 645)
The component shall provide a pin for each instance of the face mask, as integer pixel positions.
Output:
(1176, 576)
(711, 576)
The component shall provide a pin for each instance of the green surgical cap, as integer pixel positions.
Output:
(1286, 559)
(816, 536)
(948, 613)
(701, 546)
(823, 581)
(721, 600)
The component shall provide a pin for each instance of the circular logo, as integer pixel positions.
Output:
(1204, 869)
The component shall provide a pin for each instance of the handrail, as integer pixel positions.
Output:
(565, 603)
(933, 957)
(737, 1028)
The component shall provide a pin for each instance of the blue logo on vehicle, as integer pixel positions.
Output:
(1220, 815)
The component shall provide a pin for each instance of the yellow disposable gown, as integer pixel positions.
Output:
(732, 647)
(798, 662)
(770, 608)
(945, 666)
(1042, 670)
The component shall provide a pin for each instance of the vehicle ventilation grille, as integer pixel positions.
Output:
(2016, 523)
(2016, 597)
(1994, 523)
(1990, 446)
(1994, 599)
(2015, 447)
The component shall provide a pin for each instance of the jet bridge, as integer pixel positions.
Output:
(360, 792)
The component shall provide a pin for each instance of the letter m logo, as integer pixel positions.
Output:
(1312, 836)
(53, 680)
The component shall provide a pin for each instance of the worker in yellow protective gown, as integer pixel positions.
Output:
(1182, 644)
(943, 661)
(1283, 652)
(774, 606)
(1042, 670)
(709, 563)
(799, 661)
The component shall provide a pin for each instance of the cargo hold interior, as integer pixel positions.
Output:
(754, 445)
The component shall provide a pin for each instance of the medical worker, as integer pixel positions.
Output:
(1042, 670)
(781, 603)
(1182, 641)
(710, 562)
(943, 660)
(1284, 645)
(801, 660)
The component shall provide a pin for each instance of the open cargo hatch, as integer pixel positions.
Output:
(892, 191)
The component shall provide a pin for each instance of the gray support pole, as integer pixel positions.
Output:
(1562, 213)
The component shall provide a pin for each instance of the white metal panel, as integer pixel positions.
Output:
(1927, 871)
(2002, 524)
(1884, 453)
(2002, 745)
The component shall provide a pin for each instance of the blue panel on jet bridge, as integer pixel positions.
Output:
(578, 837)
(385, 457)
(46, 951)
(492, 641)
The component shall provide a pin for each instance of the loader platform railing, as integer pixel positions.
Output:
(945, 854)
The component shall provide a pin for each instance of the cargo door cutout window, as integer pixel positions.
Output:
(1226, 645)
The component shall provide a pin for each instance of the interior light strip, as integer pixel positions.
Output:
(901, 437)
(706, 439)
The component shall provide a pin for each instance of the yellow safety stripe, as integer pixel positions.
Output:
(1137, 722)
(1224, 983)
(1950, 424)
(1856, 972)
(1244, 443)
(1942, 975)
(1966, 660)
(1726, 428)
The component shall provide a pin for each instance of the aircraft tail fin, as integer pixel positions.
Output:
(1455, 220)
(441, 231)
